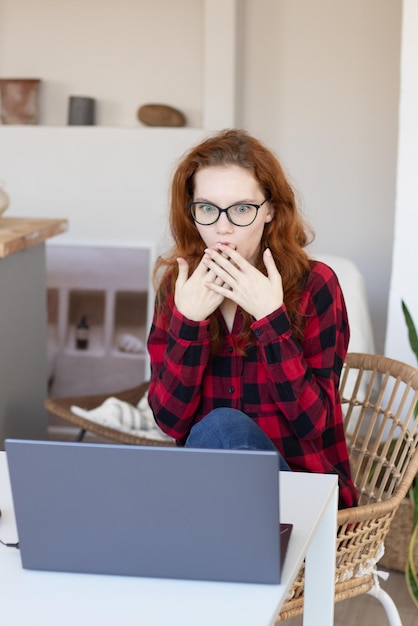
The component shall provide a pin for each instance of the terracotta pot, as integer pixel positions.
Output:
(19, 100)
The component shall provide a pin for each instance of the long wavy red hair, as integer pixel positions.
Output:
(286, 235)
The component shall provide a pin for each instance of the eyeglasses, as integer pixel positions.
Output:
(240, 214)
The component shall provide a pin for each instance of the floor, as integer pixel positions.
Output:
(367, 611)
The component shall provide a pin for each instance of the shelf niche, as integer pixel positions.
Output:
(108, 286)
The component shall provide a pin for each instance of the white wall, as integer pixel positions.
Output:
(405, 256)
(321, 85)
(111, 183)
(318, 81)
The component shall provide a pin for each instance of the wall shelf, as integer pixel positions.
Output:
(109, 286)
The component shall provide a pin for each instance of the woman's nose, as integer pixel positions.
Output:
(223, 225)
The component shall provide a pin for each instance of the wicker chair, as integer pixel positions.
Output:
(61, 407)
(379, 396)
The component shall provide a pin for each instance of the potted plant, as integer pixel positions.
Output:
(410, 570)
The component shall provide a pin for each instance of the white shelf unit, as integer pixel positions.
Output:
(110, 285)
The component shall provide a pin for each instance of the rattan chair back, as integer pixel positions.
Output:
(379, 398)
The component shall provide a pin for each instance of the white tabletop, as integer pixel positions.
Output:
(35, 598)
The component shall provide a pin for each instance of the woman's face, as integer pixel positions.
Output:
(224, 185)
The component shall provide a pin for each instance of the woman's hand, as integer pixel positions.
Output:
(242, 283)
(191, 296)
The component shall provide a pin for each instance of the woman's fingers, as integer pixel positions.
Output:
(222, 263)
(249, 288)
(191, 295)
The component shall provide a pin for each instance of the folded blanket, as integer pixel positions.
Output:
(115, 413)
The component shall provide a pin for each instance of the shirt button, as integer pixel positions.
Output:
(231, 390)
(258, 332)
(230, 349)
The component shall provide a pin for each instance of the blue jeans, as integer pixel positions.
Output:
(226, 428)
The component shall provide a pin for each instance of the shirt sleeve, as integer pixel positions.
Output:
(178, 360)
(303, 376)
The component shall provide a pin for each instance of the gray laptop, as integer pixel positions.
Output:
(147, 511)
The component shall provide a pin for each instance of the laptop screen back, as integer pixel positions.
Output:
(147, 511)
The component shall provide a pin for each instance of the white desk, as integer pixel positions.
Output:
(34, 598)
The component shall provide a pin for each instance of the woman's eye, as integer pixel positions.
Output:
(241, 208)
(207, 208)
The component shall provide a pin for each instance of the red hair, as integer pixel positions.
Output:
(286, 235)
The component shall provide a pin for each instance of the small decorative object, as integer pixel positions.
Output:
(19, 100)
(130, 343)
(82, 334)
(4, 199)
(160, 115)
(81, 111)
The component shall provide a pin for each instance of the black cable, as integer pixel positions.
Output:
(10, 545)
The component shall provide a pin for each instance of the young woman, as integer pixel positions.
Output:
(249, 335)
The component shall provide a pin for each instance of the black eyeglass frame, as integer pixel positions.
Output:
(220, 211)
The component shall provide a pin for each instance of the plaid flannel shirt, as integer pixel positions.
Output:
(289, 388)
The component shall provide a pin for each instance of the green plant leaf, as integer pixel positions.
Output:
(412, 336)
(412, 332)
(410, 571)
(413, 494)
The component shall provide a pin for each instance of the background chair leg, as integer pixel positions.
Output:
(388, 604)
(80, 435)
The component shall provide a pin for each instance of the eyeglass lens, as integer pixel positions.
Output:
(239, 214)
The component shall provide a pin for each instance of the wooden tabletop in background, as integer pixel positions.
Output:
(20, 233)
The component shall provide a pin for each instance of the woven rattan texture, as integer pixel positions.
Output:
(379, 397)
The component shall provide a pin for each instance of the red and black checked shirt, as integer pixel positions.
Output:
(289, 388)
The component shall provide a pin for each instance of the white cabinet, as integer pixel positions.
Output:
(23, 359)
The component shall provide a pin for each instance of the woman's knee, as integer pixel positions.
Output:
(214, 428)
(228, 428)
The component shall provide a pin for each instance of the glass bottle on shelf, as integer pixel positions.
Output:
(82, 334)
